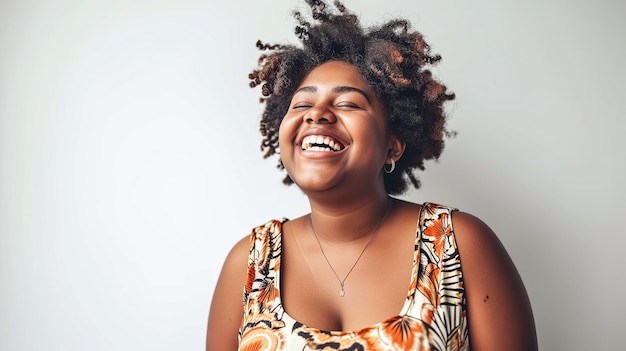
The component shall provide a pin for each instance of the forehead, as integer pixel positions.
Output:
(335, 73)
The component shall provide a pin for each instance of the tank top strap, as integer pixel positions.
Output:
(440, 277)
(263, 258)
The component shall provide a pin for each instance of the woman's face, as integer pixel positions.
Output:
(335, 131)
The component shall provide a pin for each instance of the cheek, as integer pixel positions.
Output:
(282, 134)
(287, 130)
(373, 140)
(372, 130)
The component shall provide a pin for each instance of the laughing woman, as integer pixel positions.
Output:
(353, 113)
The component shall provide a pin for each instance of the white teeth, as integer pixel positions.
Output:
(320, 143)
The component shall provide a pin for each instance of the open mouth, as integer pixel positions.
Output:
(321, 143)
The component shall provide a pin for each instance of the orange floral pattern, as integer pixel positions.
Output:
(434, 315)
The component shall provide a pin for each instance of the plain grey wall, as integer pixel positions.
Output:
(130, 163)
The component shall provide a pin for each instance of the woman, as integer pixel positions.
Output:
(354, 113)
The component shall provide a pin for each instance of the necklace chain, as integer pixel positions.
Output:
(342, 282)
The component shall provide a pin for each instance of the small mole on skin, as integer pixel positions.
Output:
(486, 298)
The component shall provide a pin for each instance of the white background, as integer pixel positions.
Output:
(130, 162)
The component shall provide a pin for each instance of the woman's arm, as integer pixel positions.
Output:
(227, 307)
(499, 312)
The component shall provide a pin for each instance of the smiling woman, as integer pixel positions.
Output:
(337, 105)
(353, 113)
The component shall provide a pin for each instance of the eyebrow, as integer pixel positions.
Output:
(337, 89)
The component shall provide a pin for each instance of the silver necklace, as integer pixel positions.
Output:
(342, 282)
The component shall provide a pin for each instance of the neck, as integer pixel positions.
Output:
(350, 221)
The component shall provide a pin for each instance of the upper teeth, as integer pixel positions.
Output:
(320, 143)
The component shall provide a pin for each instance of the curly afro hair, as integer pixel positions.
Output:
(392, 58)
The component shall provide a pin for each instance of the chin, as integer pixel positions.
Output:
(314, 184)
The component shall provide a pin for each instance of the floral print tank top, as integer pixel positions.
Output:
(434, 315)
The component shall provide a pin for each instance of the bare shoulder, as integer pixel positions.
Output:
(227, 306)
(499, 311)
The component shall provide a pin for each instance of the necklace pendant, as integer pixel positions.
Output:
(342, 293)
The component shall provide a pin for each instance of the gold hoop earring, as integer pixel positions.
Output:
(393, 166)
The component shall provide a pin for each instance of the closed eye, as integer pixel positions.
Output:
(348, 105)
(300, 106)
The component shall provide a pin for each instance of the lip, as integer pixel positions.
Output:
(322, 132)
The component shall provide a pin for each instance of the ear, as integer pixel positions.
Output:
(396, 148)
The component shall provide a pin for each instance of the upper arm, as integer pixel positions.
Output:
(227, 307)
(499, 311)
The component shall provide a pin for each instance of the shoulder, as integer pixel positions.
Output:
(227, 304)
(238, 257)
(500, 315)
(478, 245)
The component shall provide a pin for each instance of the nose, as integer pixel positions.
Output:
(320, 114)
